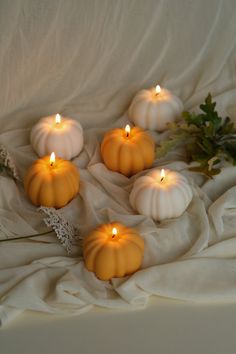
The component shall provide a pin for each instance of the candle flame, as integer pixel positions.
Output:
(127, 130)
(158, 89)
(58, 118)
(52, 158)
(114, 232)
(162, 174)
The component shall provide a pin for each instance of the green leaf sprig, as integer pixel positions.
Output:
(207, 138)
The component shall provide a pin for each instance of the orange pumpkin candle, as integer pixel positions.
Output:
(113, 250)
(127, 151)
(51, 182)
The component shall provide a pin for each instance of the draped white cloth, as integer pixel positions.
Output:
(86, 59)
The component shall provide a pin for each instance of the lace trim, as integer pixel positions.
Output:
(66, 232)
(7, 163)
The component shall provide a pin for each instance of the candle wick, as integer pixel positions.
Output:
(162, 179)
(113, 235)
(51, 163)
(127, 134)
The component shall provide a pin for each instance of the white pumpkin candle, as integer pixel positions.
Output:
(152, 109)
(59, 134)
(161, 194)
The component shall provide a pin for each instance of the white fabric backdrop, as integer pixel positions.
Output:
(86, 59)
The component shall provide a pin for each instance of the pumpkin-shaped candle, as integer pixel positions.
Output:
(55, 133)
(128, 150)
(51, 182)
(161, 194)
(113, 250)
(153, 109)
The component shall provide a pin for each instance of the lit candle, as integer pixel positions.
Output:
(161, 194)
(127, 150)
(114, 232)
(59, 134)
(113, 250)
(58, 119)
(162, 174)
(127, 130)
(51, 182)
(52, 159)
(153, 109)
(157, 90)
